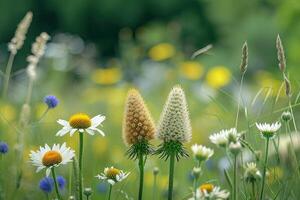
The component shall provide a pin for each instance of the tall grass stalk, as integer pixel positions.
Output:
(264, 169)
(7, 74)
(154, 186)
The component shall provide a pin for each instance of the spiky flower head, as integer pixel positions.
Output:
(174, 127)
(252, 174)
(138, 126)
(174, 124)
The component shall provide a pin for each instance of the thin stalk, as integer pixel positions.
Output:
(109, 192)
(288, 130)
(80, 164)
(141, 168)
(196, 181)
(239, 99)
(171, 176)
(235, 178)
(253, 189)
(154, 187)
(264, 169)
(55, 184)
(29, 91)
(43, 115)
(7, 74)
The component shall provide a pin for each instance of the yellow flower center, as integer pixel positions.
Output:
(112, 172)
(51, 158)
(80, 121)
(207, 187)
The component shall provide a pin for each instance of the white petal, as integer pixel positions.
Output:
(63, 122)
(98, 130)
(90, 131)
(97, 120)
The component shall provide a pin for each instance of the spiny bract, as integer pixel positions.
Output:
(174, 124)
(138, 123)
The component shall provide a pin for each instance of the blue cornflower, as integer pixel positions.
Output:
(3, 147)
(51, 101)
(47, 184)
(61, 181)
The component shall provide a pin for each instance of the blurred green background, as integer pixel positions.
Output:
(100, 49)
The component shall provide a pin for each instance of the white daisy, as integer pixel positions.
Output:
(268, 130)
(81, 122)
(224, 137)
(47, 157)
(210, 192)
(201, 153)
(112, 175)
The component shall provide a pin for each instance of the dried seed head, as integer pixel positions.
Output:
(17, 41)
(244, 62)
(137, 124)
(287, 83)
(37, 50)
(280, 54)
(174, 124)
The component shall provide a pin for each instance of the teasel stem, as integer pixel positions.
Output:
(109, 192)
(171, 176)
(7, 74)
(80, 165)
(141, 168)
(55, 184)
(235, 177)
(264, 169)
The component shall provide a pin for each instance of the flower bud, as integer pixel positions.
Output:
(235, 148)
(286, 116)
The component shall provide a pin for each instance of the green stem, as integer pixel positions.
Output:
(55, 184)
(239, 99)
(264, 169)
(171, 176)
(7, 74)
(235, 178)
(141, 168)
(253, 189)
(80, 164)
(109, 193)
(196, 181)
(154, 187)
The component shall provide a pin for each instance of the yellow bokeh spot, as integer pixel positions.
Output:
(107, 76)
(274, 174)
(8, 112)
(191, 70)
(100, 145)
(162, 51)
(218, 76)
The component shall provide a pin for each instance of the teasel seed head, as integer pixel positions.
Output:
(174, 124)
(244, 62)
(287, 83)
(17, 41)
(137, 124)
(280, 54)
